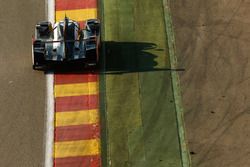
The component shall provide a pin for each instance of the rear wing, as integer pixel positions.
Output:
(65, 41)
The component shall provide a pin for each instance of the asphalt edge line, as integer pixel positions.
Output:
(185, 156)
(51, 10)
(49, 136)
(50, 102)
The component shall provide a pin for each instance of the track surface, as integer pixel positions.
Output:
(140, 110)
(22, 97)
(213, 46)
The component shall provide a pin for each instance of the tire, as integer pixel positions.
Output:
(92, 56)
(36, 67)
(38, 62)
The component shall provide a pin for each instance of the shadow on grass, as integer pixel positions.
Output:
(129, 57)
(117, 58)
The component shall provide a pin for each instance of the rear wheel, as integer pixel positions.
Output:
(38, 62)
(92, 57)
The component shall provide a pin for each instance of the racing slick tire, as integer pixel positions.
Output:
(38, 62)
(92, 58)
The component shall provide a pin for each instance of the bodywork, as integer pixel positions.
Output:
(64, 41)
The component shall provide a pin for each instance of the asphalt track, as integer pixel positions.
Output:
(212, 40)
(138, 96)
(22, 97)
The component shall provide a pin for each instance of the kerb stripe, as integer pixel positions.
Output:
(77, 117)
(75, 78)
(77, 122)
(77, 14)
(76, 89)
(75, 4)
(77, 148)
(84, 161)
(77, 132)
(76, 103)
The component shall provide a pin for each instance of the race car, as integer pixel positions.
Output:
(63, 42)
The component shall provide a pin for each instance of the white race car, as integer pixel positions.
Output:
(64, 42)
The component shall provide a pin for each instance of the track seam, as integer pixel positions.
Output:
(185, 156)
(105, 153)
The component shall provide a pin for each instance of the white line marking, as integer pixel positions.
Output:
(51, 11)
(49, 136)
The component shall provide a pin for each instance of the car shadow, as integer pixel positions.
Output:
(118, 58)
(129, 57)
